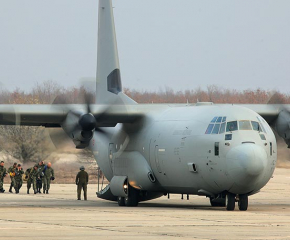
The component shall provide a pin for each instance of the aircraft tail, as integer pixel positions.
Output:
(109, 84)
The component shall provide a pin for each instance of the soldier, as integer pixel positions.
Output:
(11, 172)
(82, 180)
(32, 174)
(3, 174)
(48, 175)
(18, 178)
(28, 178)
(41, 167)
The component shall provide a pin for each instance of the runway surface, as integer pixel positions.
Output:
(60, 216)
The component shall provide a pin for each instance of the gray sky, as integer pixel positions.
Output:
(181, 44)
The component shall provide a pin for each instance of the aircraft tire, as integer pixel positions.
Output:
(132, 199)
(121, 201)
(230, 201)
(243, 202)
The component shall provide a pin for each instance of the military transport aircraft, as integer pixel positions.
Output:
(223, 152)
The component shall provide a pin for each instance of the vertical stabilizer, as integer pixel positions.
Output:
(109, 85)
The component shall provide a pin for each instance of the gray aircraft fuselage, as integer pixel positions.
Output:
(172, 144)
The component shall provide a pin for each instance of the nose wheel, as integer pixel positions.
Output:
(231, 202)
(243, 202)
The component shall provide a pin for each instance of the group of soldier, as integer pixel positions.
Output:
(39, 175)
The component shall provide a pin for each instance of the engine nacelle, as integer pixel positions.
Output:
(80, 128)
(82, 138)
(282, 126)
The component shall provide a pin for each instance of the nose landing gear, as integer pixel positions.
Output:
(231, 200)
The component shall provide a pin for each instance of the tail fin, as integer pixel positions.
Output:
(109, 85)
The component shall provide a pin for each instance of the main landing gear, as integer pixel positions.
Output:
(131, 200)
(231, 200)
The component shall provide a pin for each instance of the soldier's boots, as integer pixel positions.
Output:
(46, 191)
(43, 191)
(38, 191)
(35, 191)
(27, 191)
(10, 189)
(2, 190)
(16, 191)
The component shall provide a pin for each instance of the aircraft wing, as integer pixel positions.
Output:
(269, 112)
(53, 115)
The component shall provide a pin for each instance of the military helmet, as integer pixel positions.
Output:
(19, 165)
(82, 168)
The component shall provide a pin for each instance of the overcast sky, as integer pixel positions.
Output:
(182, 44)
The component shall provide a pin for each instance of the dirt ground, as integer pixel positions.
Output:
(60, 216)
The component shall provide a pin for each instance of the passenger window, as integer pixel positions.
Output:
(256, 126)
(232, 126)
(223, 128)
(245, 125)
(224, 119)
(216, 129)
(209, 129)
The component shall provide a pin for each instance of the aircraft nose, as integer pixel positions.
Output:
(245, 163)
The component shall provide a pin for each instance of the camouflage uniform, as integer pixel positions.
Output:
(18, 179)
(82, 180)
(48, 175)
(39, 179)
(11, 172)
(29, 180)
(32, 174)
(2, 175)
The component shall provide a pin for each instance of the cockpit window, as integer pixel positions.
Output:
(216, 129)
(261, 124)
(223, 128)
(256, 126)
(209, 129)
(217, 125)
(219, 120)
(214, 120)
(232, 126)
(245, 125)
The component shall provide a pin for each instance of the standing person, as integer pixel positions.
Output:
(48, 175)
(18, 178)
(82, 180)
(28, 178)
(41, 168)
(32, 175)
(11, 172)
(3, 174)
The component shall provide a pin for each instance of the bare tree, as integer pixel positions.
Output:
(24, 143)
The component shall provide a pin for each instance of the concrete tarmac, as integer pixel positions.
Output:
(59, 215)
